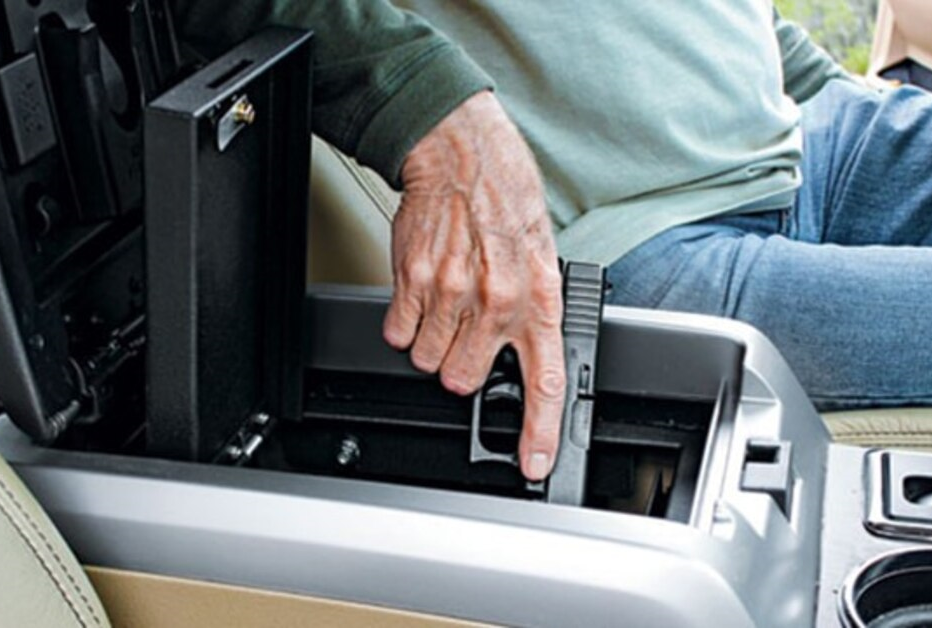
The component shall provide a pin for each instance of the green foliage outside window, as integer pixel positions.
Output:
(843, 27)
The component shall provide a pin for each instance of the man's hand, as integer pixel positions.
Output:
(476, 268)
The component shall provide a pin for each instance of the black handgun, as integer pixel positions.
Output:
(583, 289)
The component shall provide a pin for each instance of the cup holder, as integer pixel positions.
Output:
(893, 590)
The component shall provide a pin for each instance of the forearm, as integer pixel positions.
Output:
(806, 66)
(382, 77)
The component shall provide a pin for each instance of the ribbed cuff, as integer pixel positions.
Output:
(447, 78)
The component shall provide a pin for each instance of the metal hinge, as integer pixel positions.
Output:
(243, 445)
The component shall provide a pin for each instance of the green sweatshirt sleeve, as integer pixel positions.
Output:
(383, 77)
(806, 66)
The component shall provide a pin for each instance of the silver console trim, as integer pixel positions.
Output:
(468, 556)
(901, 558)
(882, 481)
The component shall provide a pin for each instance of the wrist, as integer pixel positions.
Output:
(455, 145)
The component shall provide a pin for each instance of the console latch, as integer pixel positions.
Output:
(768, 469)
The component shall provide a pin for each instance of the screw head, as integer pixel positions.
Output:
(234, 452)
(244, 112)
(349, 452)
(37, 342)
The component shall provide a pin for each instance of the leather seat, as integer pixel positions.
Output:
(351, 215)
(903, 31)
(41, 583)
(895, 428)
(350, 221)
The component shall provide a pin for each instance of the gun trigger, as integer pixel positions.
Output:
(504, 391)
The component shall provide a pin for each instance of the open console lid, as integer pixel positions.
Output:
(227, 160)
(152, 228)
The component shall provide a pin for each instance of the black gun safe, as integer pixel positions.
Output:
(112, 312)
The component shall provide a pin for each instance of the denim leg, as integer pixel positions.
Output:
(842, 284)
(853, 322)
(867, 167)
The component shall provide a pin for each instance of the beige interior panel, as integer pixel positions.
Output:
(41, 582)
(903, 30)
(350, 221)
(899, 428)
(139, 600)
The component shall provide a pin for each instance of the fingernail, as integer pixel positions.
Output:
(538, 466)
(455, 384)
(395, 340)
(457, 388)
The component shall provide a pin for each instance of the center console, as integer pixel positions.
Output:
(877, 539)
(181, 405)
(378, 501)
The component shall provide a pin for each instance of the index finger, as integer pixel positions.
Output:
(544, 372)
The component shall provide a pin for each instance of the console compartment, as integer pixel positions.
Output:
(369, 415)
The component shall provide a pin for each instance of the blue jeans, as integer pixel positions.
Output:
(842, 281)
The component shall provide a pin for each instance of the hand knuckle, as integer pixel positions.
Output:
(549, 384)
(418, 273)
(453, 285)
(500, 297)
(549, 318)
(405, 309)
(498, 319)
(549, 277)
(543, 432)
(424, 360)
(457, 378)
(549, 300)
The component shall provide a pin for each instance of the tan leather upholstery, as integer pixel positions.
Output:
(350, 221)
(904, 30)
(41, 583)
(139, 600)
(901, 428)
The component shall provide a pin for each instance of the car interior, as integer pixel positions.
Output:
(201, 426)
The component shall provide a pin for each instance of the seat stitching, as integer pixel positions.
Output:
(381, 201)
(9, 493)
(43, 563)
(884, 433)
(887, 444)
